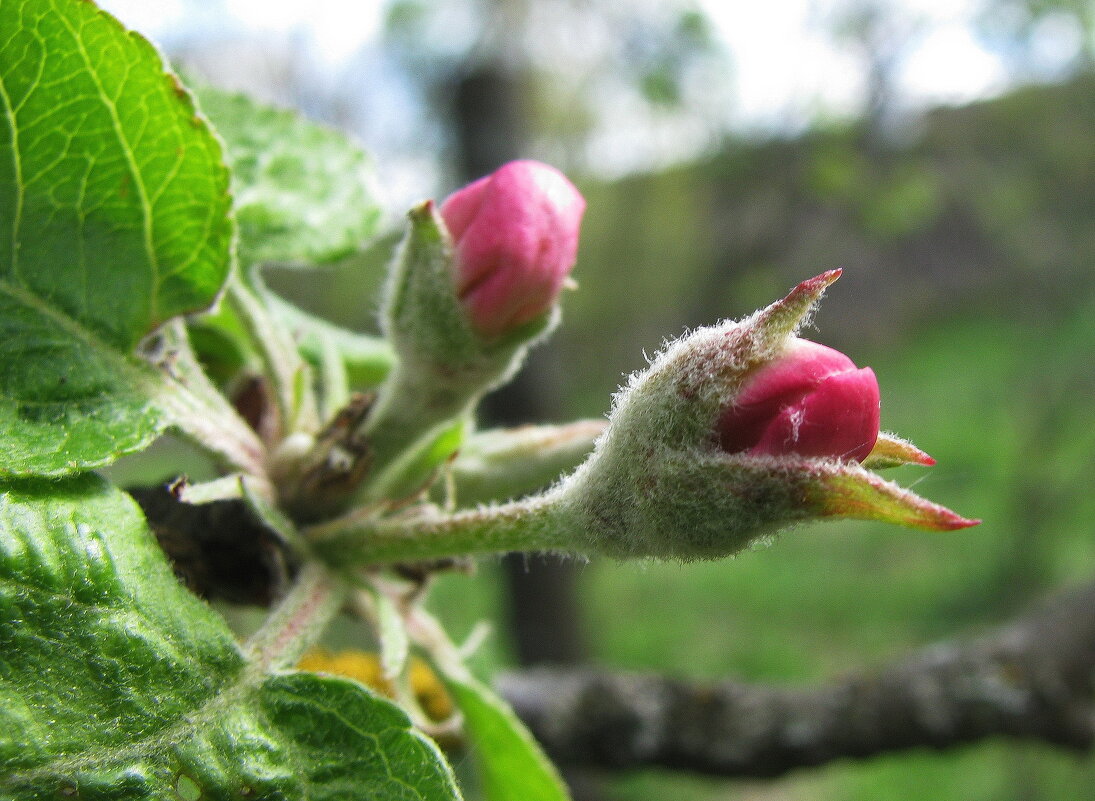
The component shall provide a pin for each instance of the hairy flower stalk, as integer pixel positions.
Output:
(733, 432)
(500, 464)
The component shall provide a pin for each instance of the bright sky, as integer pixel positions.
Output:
(786, 67)
(784, 62)
(337, 28)
(787, 62)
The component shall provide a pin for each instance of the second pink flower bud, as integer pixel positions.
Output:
(515, 234)
(810, 401)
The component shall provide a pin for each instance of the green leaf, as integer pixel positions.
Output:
(115, 203)
(368, 359)
(116, 683)
(304, 193)
(512, 767)
(391, 630)
(504, 463)
(222, 344)
(67, 400)
(114, 217)
(418, 466)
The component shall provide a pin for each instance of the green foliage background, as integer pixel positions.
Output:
(970, 289)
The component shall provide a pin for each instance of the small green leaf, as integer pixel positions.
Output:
(222, 344)
(512, 766)
(418, 466)
(391, 630)
(368, 359)
(114, 217)
(116, 683)
(305, 194)
(271, 516)
(504, 463)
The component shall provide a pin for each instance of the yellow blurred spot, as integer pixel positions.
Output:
(364, 666)
(360, 665)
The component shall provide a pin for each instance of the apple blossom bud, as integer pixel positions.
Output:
(810, 401)
(473, 287)
(515, 234)
(736, 431)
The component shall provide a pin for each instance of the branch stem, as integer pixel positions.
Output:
(539, 523)
(299, 620)
(286, 368)
(1030, 679)
(202, 413)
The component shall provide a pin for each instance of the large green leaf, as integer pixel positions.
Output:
(116, 683)
(114, 217)
(305, 194)
(67, 400)
(512, 767)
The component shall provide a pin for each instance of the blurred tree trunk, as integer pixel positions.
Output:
(489, 122)
(490, 126)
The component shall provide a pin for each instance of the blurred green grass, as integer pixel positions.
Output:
(1007, 411)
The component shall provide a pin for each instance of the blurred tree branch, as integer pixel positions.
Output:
(1033, 679)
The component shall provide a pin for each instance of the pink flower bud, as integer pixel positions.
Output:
(516, 238)
(810, 401)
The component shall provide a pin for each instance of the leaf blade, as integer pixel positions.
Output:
(512, 767)
(114, 217)
(305, 193)
(117, 683)
(120, 219)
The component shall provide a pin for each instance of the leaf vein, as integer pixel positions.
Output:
(17, 168)
(131, 161)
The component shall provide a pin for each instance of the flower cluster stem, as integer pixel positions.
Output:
(299, 620)
(413, 405)
(287, 370)
(203, 414)
(532, 524)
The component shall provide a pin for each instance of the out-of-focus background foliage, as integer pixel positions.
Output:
(942, 153)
